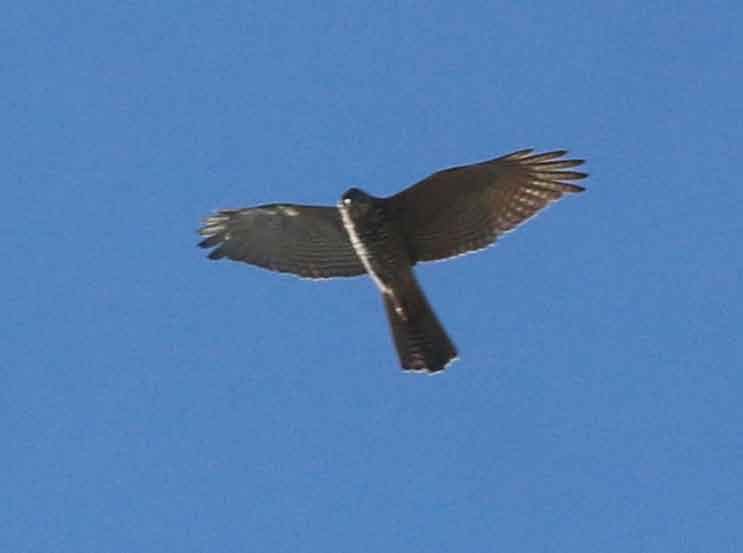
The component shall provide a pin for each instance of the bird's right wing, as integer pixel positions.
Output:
(308, 241)
(466, 208)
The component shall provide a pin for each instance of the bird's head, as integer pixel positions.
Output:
(357, 200)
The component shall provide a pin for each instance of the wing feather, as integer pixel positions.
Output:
(467, 208)
(308, 241)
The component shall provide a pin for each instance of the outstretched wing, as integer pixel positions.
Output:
(466, 208)
(309, 241)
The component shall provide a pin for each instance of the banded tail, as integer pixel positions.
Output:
(421, 341)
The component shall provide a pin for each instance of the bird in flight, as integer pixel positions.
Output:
(451, 212)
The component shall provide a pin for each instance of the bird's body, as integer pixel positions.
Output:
(378, 239)
(449, 213)
(375, 237)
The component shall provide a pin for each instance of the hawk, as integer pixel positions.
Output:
(451, 212)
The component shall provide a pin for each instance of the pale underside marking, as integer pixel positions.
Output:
(360, 248)
(363, 254)
(288, 210)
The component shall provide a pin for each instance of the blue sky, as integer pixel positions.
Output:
(153, 400)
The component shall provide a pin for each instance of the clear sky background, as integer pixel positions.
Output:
(152, 400)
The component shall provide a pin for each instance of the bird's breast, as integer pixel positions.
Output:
(379, 244)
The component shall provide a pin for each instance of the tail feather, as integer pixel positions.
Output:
(421, 341)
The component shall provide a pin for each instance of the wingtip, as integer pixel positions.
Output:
(216, 254)
(550, 167)
(573, 188)
(519, 154)
(545, 156)
(528, 155)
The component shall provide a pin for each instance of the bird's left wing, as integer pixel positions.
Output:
(466, 208)
(308, 241)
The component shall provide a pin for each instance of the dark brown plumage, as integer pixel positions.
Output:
(449, 213)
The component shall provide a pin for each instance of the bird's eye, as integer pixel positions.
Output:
(346, 201)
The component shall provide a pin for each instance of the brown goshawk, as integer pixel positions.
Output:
(449, 213)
